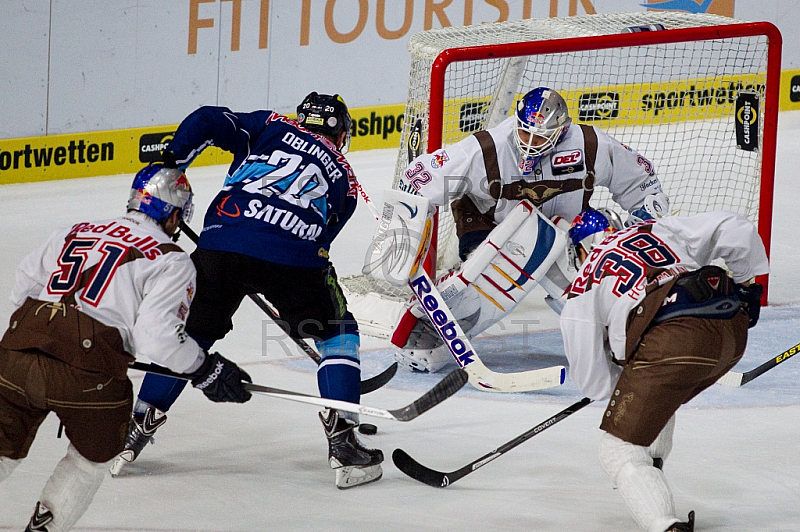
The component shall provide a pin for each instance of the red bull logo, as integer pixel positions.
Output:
(535, 117)
(182, 182)
(144, 196)
(439, 158)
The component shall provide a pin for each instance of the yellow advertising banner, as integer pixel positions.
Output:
(126, 151)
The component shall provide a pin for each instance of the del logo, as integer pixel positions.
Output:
(567, 158)
(598, 106)
(439, 158)
(152, 144)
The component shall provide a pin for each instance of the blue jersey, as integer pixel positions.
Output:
(288, 191)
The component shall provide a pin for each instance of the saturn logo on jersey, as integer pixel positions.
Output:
(285, 219)
(221, 211)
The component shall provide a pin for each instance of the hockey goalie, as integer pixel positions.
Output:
(513, 190)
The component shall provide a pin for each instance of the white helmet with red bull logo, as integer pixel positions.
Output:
(156, 191)
(542, 121)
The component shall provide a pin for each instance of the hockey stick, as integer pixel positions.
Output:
(734, 378)
(438, 479)
(460, 347)
(367, 386)
(453, 382)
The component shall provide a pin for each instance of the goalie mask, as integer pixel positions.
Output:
(542, 121)
(326, 115)
(590, 228)
(156, 191)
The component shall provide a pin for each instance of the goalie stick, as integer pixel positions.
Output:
(367, 386)
(460, 347)
(734, 378)
(450, 331)
(438, 479)
(448, 386)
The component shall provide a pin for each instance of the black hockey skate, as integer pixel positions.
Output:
(354, 463)
(140, 433)
(40, 518)
(683, 527)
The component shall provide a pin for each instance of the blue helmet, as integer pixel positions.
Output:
(542, 121)
(588, 229)
(156, 191)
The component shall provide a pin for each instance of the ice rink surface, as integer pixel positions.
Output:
(263, 465)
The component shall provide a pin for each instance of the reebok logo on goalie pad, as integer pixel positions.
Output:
(446, 327)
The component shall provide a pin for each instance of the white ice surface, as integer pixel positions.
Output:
(262, 465)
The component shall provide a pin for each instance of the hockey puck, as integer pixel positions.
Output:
(368, 429)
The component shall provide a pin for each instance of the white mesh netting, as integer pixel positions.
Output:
(673, 103)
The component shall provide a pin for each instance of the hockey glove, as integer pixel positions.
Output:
(221, 380)
(168, 159)
(750, 297)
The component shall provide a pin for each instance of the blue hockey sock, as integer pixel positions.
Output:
(339, 372)
(160, 391)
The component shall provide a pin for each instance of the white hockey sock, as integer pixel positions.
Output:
(7, 465)
(71, 488)
(662, 445)
(643, 486)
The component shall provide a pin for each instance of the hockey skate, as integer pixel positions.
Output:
(354, 463)
(140, 433)
(683, 527)
(40, 518)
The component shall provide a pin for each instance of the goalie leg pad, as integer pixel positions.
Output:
(503, 269)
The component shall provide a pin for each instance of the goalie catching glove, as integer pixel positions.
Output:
(655, 206)
(221, 380)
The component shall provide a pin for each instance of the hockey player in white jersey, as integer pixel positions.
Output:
(88, 300)
(536, 155)
(649, 324)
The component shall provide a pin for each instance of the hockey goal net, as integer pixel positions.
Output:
(695, 94)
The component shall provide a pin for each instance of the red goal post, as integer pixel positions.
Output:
(769, 94)
(681, 96)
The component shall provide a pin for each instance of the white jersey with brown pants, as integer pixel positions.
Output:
(87, 300)
(619, 314)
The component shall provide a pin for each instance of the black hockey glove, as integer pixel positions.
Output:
(750, 297)
(168, 159)
(221, 380)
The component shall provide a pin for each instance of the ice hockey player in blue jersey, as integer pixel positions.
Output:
(288, 193)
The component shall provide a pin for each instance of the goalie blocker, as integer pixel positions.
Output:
(402, 238)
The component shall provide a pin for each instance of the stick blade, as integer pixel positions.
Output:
(379, 380)
(454, 381)
(417, 471)
(732, 378)
(487, 380)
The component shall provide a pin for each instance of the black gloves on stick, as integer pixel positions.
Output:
(221, 380)
(750, 297)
